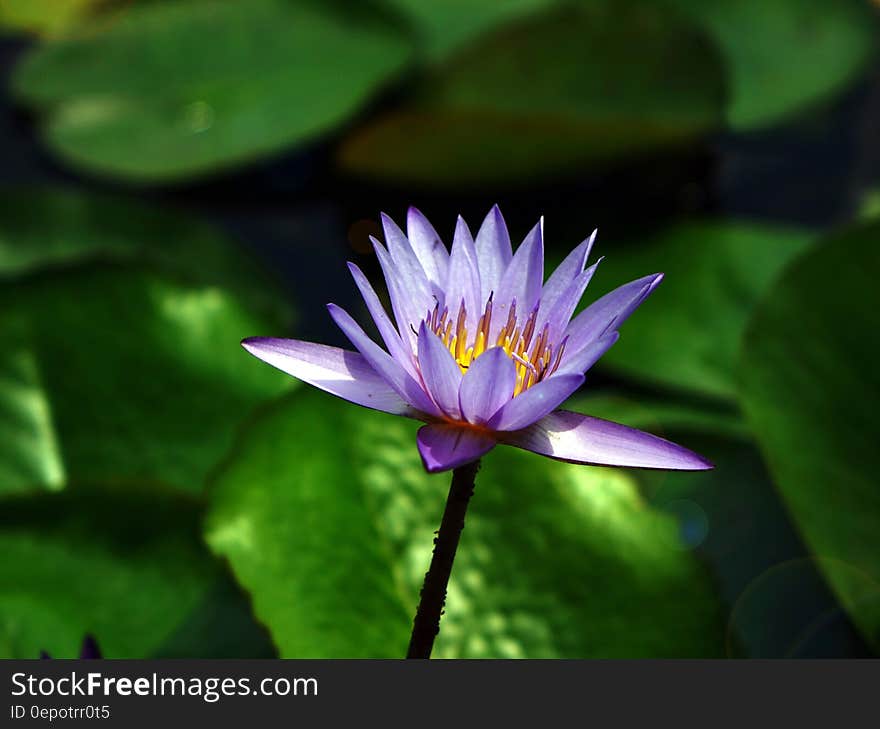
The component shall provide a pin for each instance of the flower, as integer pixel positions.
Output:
(483, 351)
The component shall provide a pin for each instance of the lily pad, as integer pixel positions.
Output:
(577, 84)
(55, 228)
(127, 568)
(131, 376)
(810, 387)
(447, 25)
(786, 55)
(170, 91)
(687, 334)
(326, 517)
(44, 17)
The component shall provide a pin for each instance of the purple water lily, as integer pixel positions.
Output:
(483, 351)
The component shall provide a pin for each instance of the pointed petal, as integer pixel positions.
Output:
(566, 272)
(487, 385)
(396, 348)
(521, 281)
(440, 373)
(407, 313)
(584, 358)
(580, 438)
(344, 374)
(493, 252)
(463, 279)
(411, 274)
(536, 402)
(382, 362)
(428, 247)
(610, 311)
(444, 446)
(559, 314)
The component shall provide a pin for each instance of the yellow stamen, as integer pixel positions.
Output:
(534, 357)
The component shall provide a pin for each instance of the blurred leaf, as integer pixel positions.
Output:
(446, 25)
(128, 570)
(175, 90)
(575, 85)
(46, 17)
(44, 228)
(659, 415)
(687, 334)
(142, 377)
(786, 54)
(810, 388)
(29, 451)
(327, 516)
(869, 206)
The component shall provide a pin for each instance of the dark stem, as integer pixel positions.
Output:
(426, 624)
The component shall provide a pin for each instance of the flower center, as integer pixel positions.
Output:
(535, 357)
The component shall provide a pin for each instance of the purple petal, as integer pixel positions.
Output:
(441, 374)
(396, 348)
(487, 385)
(411, 275)
(382, 362)
(580, 438)
(407, 311)
(559, 314)
(443, 446)
(536, 402)
(428, 247)
(610, 311)
(493, 252)
(566, 272)
(521, 281)
(581, 360)
(344, 374)
(463, 280)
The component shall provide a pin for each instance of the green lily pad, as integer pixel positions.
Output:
(785, 55)
(550, 93)
(127, 568)
(447, 25)
(45, 17)
(170, 91)
(131, 376)
(660, 415)
(327, 517)
(687, 334)
(55, 228)
(810, 388)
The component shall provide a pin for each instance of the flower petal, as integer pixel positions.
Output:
(536, 402)
(580, 361)
(411, 275)
(443, 446)
(428, 247)
(521, 281)
(566, 272)
(487, 385)
(396, 348)
(610, 311)
(407, 311)
(580, 438)
(493, 252)
(337, 371)
(559, 314)
(382, 362)
(463, 278)
(441, 374)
